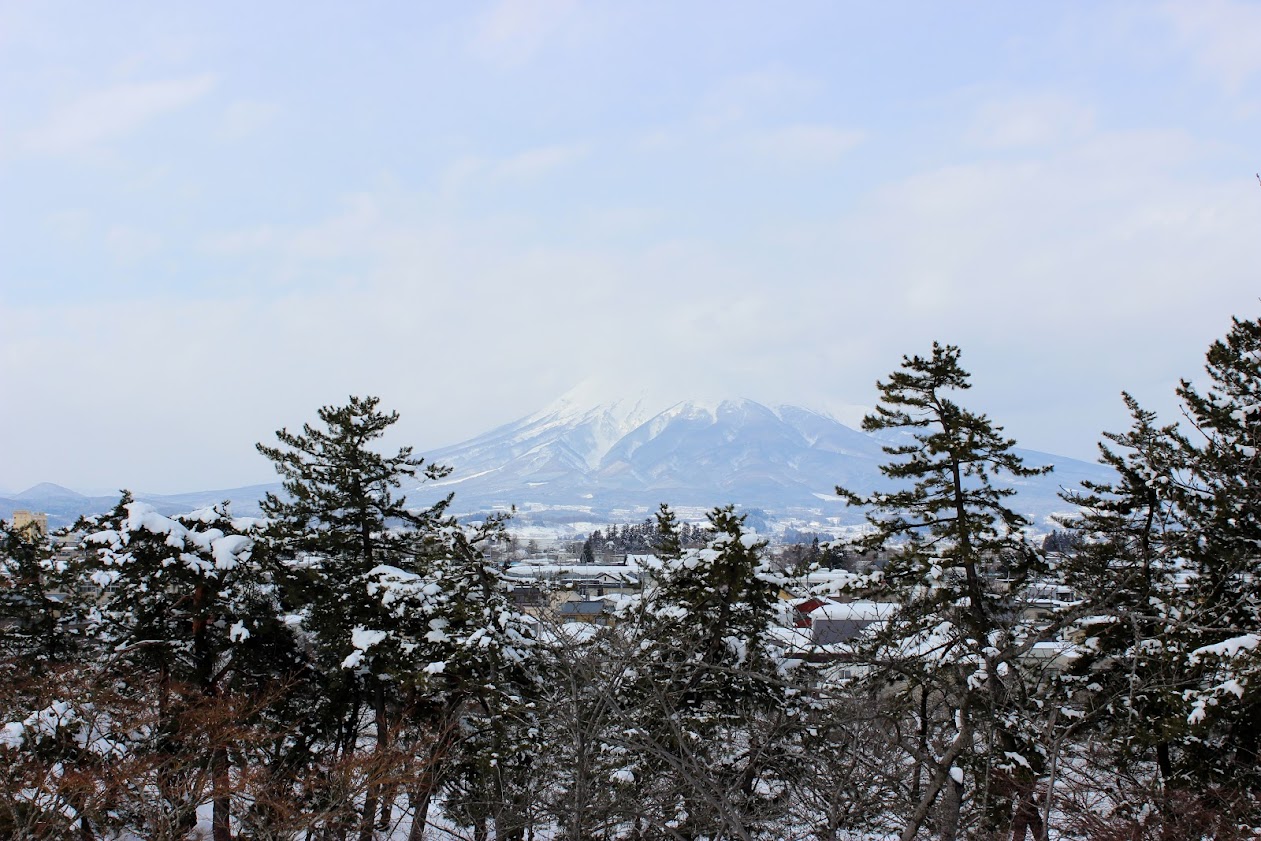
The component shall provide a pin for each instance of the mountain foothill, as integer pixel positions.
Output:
(573, 462)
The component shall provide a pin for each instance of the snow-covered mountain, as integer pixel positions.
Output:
(605, 461)
(583, 462)
(619, 456)
(565, 438)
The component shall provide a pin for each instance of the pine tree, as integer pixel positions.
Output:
(1219, 495)
(33, 596)
(462, 657)
(46, 682)
(189, 615)
(714, 715)
(339, 524)
(577, 771)
(1120, 557)
(668, 542)
(952, 638)
(490, 680)
(1169, 563)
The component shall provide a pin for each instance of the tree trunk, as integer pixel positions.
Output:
(1163, 762)
(221, 784)
(942, 777)
(419, 800)
(421, 795)
(388, 793)
(376, 770)
(1028, 817)
(917, 779)
(951, 806)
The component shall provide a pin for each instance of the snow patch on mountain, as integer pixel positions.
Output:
(576, 462)
(628, 455)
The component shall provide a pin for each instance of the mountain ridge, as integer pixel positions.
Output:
(783, 458)
(573, 462)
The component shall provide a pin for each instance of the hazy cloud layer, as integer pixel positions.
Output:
(212, 223)
(112, 113)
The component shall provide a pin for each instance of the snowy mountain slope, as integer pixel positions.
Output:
(613, 461)
(616, 457)
(563, 439)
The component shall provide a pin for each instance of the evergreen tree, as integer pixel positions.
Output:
(668, 542)
(953, 637)
(579, 771)
(1120, 558)
(190, 616)
(34, 593)
(340, 521)
(714, 714)
(48, 761)
(1169, 561)
(462, 658)
(1219, 496)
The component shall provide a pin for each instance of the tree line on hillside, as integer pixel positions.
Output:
(619, 539)
(350, 667)
(637, 538)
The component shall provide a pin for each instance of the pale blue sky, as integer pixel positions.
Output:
(216, 217)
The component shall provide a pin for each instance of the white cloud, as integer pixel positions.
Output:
(1071, 264)
(1099, 258)
(129, 244)
(1224, 37)
(460, 328)
(1099, 268)
(352, 231)
(69, 225)
(805, 145)
(113, 113)
(232, 243)
(1031, 120)
(753, 111)
(514, 31)
(750, 95)
(526, 165)
(245, 118)
(349, 233)
(533, 163)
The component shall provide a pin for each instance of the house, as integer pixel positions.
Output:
(801, 610)
(588, 611)
(546, 585)
(841, 622)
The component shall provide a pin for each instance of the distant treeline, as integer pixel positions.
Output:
(638, 538)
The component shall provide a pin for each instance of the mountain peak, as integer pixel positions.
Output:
(47, 490)
(592, 399)
(600, 452)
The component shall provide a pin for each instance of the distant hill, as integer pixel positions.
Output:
(574, 462)
(63, 506)
(579, 464)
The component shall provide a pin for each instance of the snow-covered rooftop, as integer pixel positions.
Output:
(859, 611)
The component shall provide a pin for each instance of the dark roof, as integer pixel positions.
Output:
(590, 608)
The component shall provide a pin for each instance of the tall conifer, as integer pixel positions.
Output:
(339, 521)
(1220, 499)
(952, 637)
